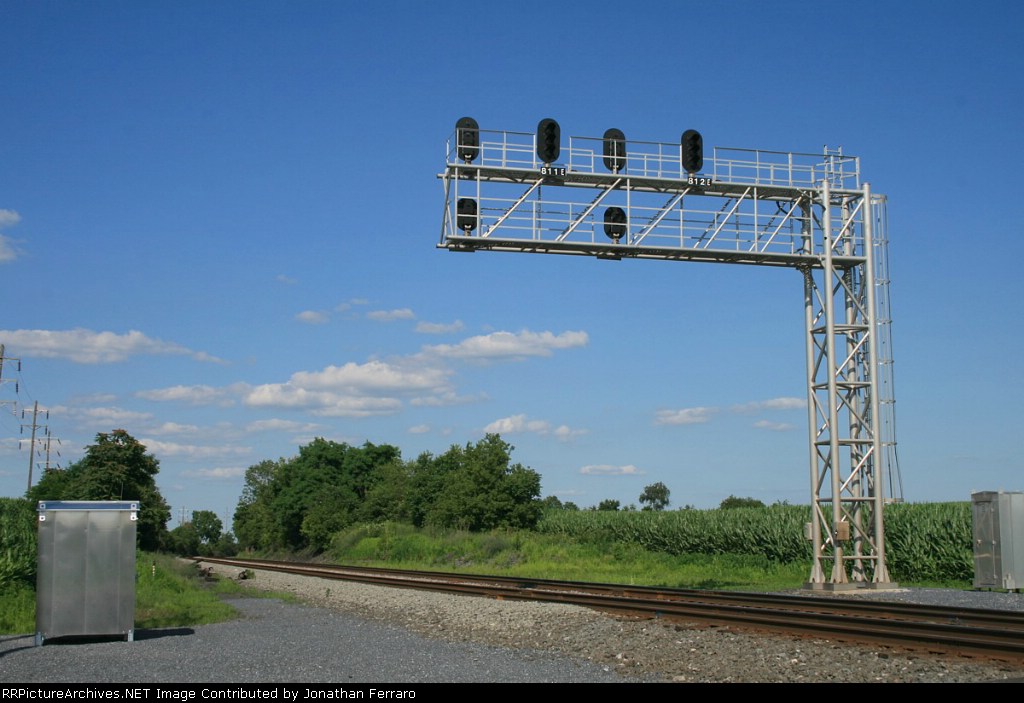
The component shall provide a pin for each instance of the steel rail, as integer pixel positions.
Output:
(971, 632)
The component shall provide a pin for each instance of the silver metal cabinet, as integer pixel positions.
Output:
(998, 519)
(86, 577)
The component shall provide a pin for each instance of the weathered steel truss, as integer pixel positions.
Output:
(801, 211)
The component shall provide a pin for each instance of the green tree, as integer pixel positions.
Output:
(302, 502)
(53, 482)
(328, 487)
(388, 497)
(255, 524)
(655, 496)
(208, 526)
(184, 540)
(552, 503)
(429, 476)
(226, 546)
(608, 504)
(116, 467)
(734, 502)
(477, 488)
(313, 482)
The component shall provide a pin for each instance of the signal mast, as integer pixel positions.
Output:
(615, 199)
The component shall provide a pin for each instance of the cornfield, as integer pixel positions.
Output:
(17, 541)
(930, 541)
(924, 542)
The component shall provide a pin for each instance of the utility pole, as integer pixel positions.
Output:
(48, 441)
(32, 442)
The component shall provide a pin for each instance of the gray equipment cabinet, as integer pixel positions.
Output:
(85, 585)
(998, 539)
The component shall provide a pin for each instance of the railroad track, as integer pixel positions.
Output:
(969, 632)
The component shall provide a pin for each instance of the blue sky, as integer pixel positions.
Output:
(219, 222)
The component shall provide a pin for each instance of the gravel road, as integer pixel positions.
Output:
(358, 633)
(275, 642)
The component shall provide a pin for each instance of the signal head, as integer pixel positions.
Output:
(549, 137)
(465, 214)
(467, 139)
(692, 151)
(615, 223)
(614, 150)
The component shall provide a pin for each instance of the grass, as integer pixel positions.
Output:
(555, 557)
(168, 593)
(17, 609)
(173, 595)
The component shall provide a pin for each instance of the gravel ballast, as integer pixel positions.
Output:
(359, 633)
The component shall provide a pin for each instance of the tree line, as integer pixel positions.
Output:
(301, 503)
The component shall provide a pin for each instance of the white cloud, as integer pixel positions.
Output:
(439, 327)
(419, 429)
(774, 426)
(93, 398)
(287, 280)
(192, 451)
(685, 416)
(216, 474)
(108, 417)
(196, 395)
(276, 425)
(391, 315)
(89, 347)
(773, 404)
(354, 390)
(325, 403)
(312, 317)
(174, 428)
(346, 308)
(8, 218)
(380, 387)
(445, 398)
(373, 376)
(610, 470)
(203, 356)
(506, 345)
(8, 446)
(8, 252)
(350, 390)
(564, 433)
(519, 423)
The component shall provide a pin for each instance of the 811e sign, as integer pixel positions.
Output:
(552, 171)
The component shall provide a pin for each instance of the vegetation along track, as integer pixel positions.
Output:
(971, 632)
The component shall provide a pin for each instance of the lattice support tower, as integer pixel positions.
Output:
(808, 212)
